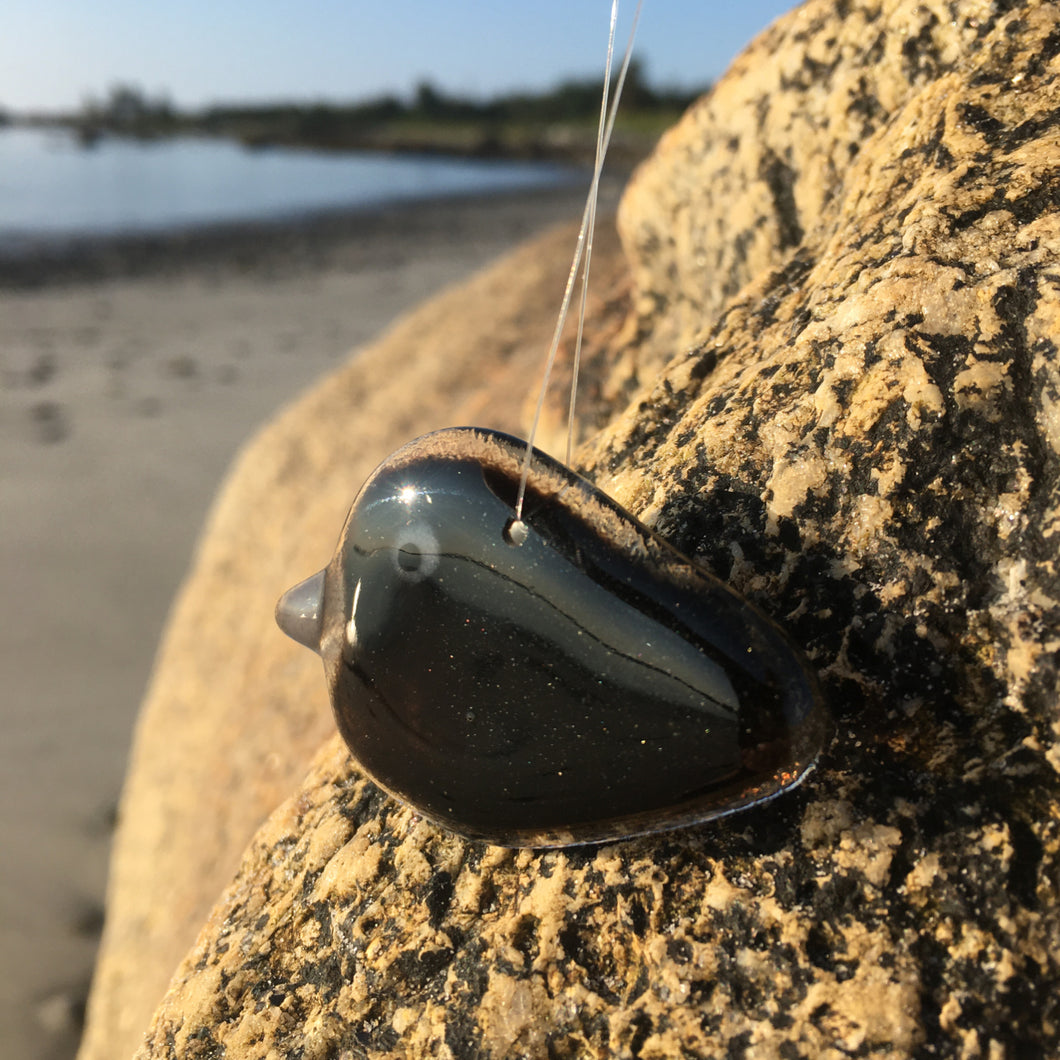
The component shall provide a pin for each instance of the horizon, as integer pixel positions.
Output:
(56, 55)
(406, 99)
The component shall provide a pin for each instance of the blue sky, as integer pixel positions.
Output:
(55, 53)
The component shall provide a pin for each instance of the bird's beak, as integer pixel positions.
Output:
(300, 612)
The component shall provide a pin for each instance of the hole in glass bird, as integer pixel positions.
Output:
(516, 532)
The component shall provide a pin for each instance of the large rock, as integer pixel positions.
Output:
(838, 388)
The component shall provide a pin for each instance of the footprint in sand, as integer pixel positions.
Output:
(50, 422)
(38, 370)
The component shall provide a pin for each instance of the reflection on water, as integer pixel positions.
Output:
(52, 186)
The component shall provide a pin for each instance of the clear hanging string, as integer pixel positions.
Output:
(583, 251)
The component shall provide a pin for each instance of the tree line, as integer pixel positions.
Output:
(553, 123)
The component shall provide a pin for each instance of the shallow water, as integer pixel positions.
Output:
(51, 186)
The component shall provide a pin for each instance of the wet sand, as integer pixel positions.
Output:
(129, 375)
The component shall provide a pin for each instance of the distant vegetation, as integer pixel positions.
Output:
(558, 124)
(128, 112)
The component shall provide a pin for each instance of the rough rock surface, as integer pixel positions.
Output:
(838, 388)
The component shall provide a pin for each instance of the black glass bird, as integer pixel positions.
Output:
(563, 677)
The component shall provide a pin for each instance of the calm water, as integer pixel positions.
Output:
(52, 187)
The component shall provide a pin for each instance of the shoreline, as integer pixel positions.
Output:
(130, 374)
(317, 239)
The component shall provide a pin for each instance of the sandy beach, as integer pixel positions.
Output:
(130, 373)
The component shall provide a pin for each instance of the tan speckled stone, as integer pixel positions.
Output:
(838, 388)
